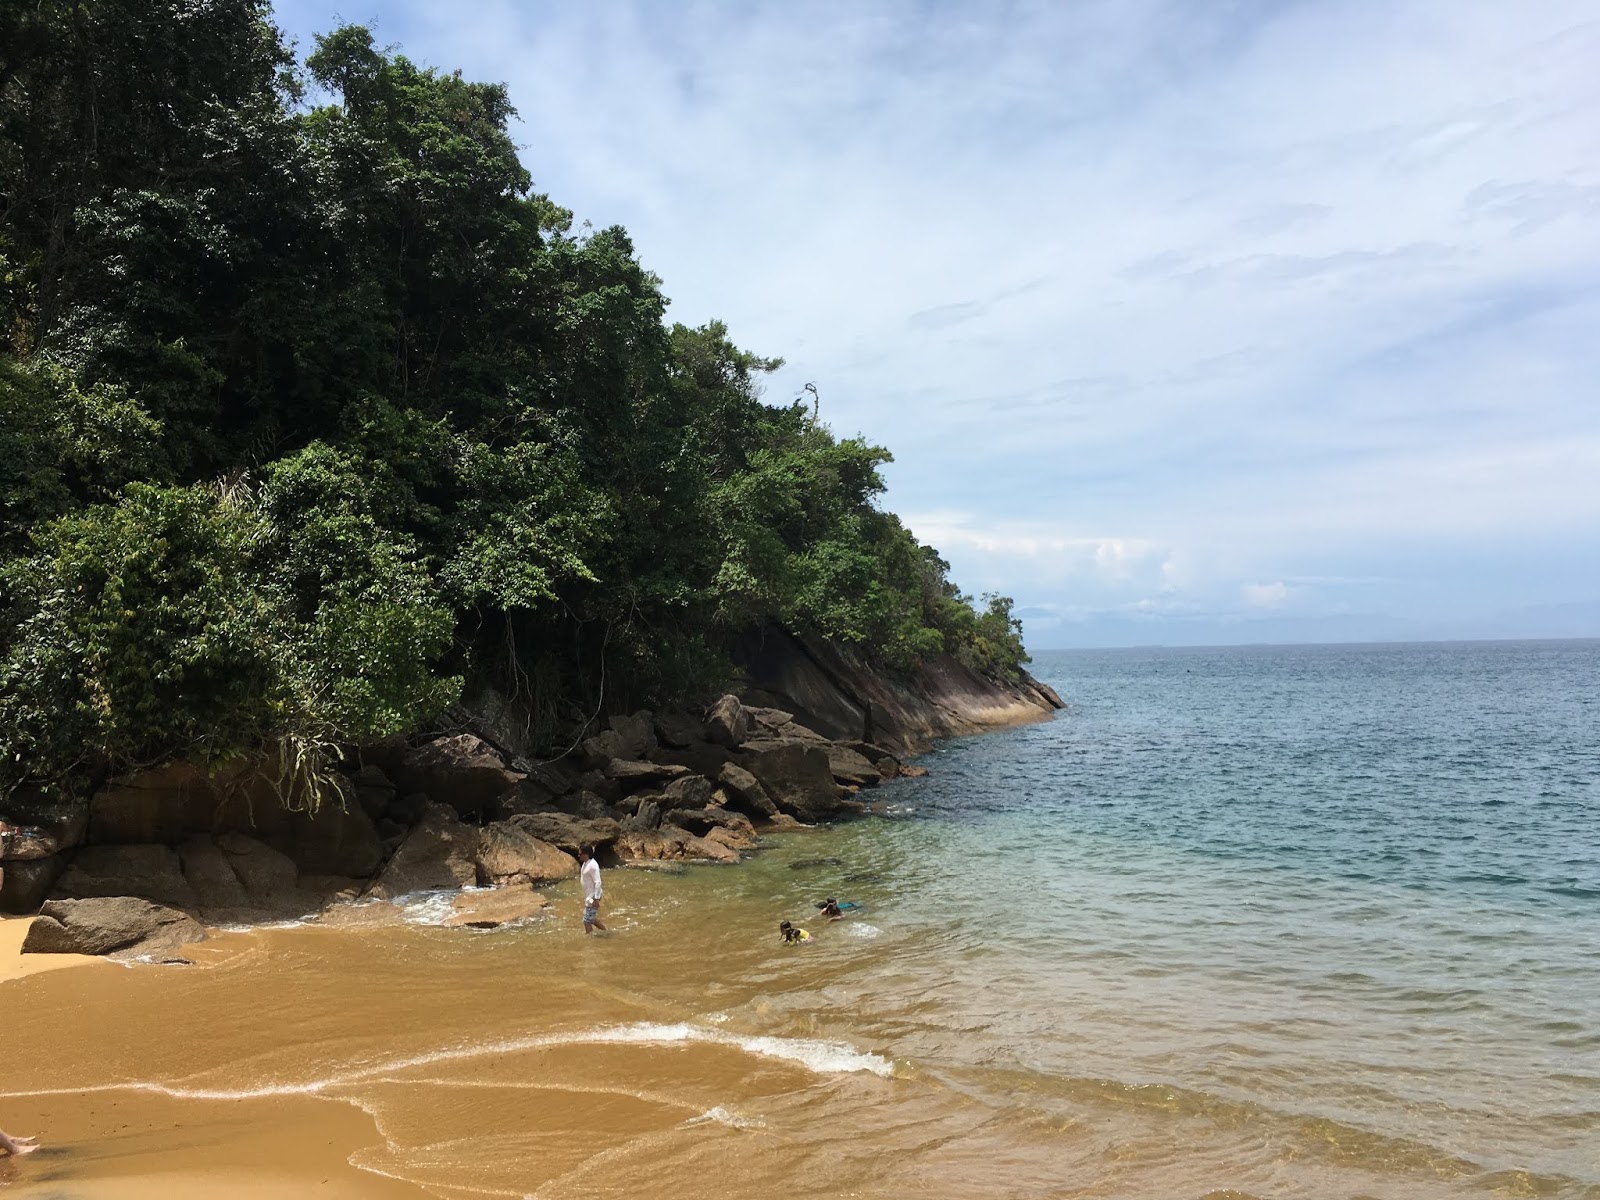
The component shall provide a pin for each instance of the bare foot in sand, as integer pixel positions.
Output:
(17, 1145)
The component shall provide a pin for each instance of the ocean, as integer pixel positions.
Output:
(1309, 921)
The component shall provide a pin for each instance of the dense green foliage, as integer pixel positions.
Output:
(311, 409)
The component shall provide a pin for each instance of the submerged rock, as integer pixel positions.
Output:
(492, 907)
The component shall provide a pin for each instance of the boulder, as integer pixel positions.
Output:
(462, 771)
(637, 733)
(912, 771)
(768, 719)
(555, 777)
(439, 852)
(489, 908)
(848, 766)
(373, 790)
(603, 747)
(407, 810)
(797, 777)
(161, 805)
(529, 796)
(710, 850)
(666, 843)
(633, 774)
(507, 853)
(691, 791)
(646, 816)
(739, 832)
(211, 875)
(674, 727)
(25, 883)
(702, 758)
(732, 838)
(124, 926)
(888, 765)
(269, 877)
(567, 832)
(745, 790)
(600, 784)
(727, 723)
(338, 839)
(148, 872)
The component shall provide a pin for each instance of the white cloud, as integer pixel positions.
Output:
(1265, 595)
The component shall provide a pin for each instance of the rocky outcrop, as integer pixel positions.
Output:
(462, 771)
(508, 853)
(567, 832)
(727, 722)
(439, 853)
(831, 690)
(814, 728)
(121, 926)
(797, 777)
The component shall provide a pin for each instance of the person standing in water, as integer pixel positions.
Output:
(589, 876)
(17, 1145)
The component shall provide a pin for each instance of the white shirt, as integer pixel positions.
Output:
(590, 875)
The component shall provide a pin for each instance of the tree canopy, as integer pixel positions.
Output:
(312, 409)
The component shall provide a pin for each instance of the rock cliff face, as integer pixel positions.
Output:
(813, 728)
(829, 688)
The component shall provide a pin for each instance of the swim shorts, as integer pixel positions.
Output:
(591, 912)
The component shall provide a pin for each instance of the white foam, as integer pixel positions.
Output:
(860, 929)
(721, 1116)
(428, 908)
(820, 1057)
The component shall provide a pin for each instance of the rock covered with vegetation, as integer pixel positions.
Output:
(315, 414)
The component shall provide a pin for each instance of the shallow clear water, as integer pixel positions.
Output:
(1252, 922)
(1347, 895)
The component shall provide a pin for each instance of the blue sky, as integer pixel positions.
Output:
(1186, 322)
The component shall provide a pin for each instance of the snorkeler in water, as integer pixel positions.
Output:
(792, 934)
(830, 908)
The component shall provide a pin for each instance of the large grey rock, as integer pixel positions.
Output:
(731, 828)
(567, 832)
(727, 723)
(125, 926)
(462, 771)
(692, 791)
(269, 877)
(149, 872)
(745, 790)
(797, 777)
(888, 765)
(646, 816)
(507, 853)
(440, 852)
(211, 875)
(338, 839)
(527, 797)
(637, 732)
(674, 727)
(848, 766)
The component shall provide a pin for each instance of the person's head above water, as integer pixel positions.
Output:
(785, 926)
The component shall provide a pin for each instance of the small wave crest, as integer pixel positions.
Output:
(722, 1116)
(815, 1055)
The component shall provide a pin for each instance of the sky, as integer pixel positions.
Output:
(1186, 322)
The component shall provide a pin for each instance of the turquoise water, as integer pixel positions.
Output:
(1276, 920)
